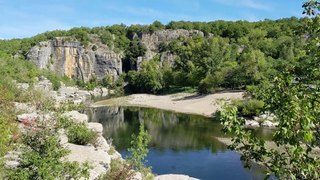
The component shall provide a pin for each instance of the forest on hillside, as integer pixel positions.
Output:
(230, 55)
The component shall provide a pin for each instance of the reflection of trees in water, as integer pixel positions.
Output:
(111, 118)
(169, 130)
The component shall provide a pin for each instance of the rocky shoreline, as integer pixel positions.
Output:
(99, 155)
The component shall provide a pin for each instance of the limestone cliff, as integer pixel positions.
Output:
(70, 58)
(152, 41)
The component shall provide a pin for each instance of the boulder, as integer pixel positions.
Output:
(44, 85)
(24, 107)
(96, 127)
(263, 116)
(256, 118)
(76, 117)
(27, 118)
(252, 123)
(268, 123)
(22, 86)
(12, 159)
(77, 101)
(67, 91)
(99, 92)
(48, 116)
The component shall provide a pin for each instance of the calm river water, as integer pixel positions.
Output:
(181, 143)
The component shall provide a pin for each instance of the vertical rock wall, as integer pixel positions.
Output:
(72, 60)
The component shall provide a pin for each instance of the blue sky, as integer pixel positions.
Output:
(25, 18)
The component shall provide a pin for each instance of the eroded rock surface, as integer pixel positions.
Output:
(71, 59)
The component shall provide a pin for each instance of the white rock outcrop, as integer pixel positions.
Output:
(76, 117)
(99, 159)
(96, 127)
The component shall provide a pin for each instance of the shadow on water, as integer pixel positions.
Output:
(180, 143)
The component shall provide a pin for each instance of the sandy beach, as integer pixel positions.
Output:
(191, 103)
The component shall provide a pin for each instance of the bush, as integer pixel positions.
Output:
(119, 170)
(41, 159)
(80, 134)
(148, 79)
(64, 122)
(249, 108)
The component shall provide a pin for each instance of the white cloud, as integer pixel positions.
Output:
(253, 4)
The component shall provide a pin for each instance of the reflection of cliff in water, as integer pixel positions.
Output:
(169, 130)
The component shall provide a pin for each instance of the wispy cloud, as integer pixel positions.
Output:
(252, 4)
(27, 30)
(149, 13)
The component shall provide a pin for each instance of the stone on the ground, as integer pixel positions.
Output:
(256, 118)
(11, 164)
(24, 107)
(76, 117)
(68, 91)
(174, 177)
(44, 85)
(263, 116)
(271, 117)
(252, 123)
(268, 123)
(46, 116)
(99, 92)
(77, 101)
(27, 117)
(23, 86)
(12, 159)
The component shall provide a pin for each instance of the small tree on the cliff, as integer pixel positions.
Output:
(294, 97)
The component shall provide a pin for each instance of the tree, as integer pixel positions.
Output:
(148, 79)
(294, 97)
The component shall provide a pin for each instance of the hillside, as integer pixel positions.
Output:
(207, 56)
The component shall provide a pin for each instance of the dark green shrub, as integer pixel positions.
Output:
(250, 107)
(80, 134)
(64, 122)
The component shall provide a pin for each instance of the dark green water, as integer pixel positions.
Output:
(181, 143)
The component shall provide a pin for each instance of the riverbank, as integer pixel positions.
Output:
(190, 103)
(98, 154)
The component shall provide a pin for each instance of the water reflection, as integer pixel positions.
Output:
(180, 143)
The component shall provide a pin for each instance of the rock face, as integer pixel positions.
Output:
(152, 41)
(71, 59)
